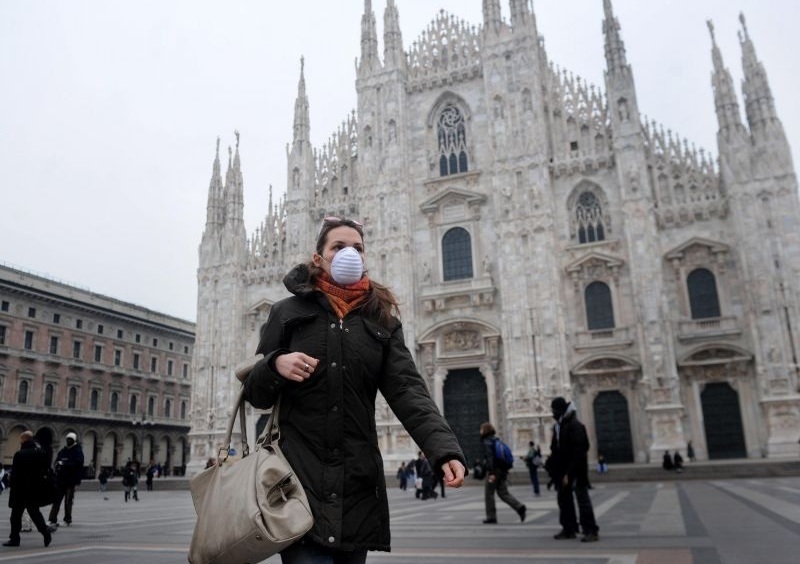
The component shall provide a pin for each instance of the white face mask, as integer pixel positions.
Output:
(347, 266)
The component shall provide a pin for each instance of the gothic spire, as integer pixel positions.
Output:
(520, 12)
(392, 38)
(758, 101)
(369, 41)
(492, 18)
(214, 209)
(616, 61)
(302, 123)
(725, 102)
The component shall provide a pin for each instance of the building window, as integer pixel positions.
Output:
(457, 254)
(98, 353)
(185, 349)
(32, 312)
(4, 306)
(136, 361)
(2, 334)
(22, 392)
(599, 309)
(153, 364)
(94, 399)
(72, 398)
(171, 345)
(589, 216)
(114, 402)
(100, 329)
(117, 357)
(138, 338)
(168, 408)
(79, 323)
(28, 340)
(155, 342)
(53, 344)
(132, 407)
(169, 368)
(183, 410)
(185, 370)
(119, 333)
(56, 318)
(48, 395)
(76, 349)
(451, 133)
(703, 298)
(151, 406)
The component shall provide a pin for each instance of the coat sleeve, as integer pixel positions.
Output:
(406, 393)
(262, 386)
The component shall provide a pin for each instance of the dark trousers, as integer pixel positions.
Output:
(566, 508)
(16, 519)
(309, 553)
(534, 472)
(67, 494)
(500, 485)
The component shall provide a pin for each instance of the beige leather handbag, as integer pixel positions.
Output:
(248, 509)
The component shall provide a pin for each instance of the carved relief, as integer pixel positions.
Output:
(460, 341)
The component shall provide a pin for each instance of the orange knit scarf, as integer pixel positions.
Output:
(344, 299)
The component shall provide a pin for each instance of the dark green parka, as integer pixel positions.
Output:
(327, 423)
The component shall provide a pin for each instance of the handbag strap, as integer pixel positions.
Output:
(271, 431)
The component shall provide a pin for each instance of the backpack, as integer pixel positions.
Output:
(503, 457)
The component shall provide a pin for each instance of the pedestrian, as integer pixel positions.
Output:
(103, 479)
(533, 459)
(602, 465)
(69, 472)
(569, 450)
(130, 480)
(402, 476)
(4, 478)
(328, 350)
(677, 462)
(690, 451)
(666, 461)
(425, 479)
(151, 470)
(496, 478)
(30, 487)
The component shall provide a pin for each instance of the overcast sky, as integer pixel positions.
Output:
(110, 110)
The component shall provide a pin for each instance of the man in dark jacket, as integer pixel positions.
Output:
(69, 472)
(570, 469)
(496, 478)
(28, 474)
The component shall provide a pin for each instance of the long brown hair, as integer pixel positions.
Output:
(381, 303)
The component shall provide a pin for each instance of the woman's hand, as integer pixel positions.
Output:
(295, 366)
(453, 473)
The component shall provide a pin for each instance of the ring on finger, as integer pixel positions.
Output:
(307, 368)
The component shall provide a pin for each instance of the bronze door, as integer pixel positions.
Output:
(722, 419)
(613, 426)
(466, 406)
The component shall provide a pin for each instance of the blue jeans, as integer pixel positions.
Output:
(309, 553)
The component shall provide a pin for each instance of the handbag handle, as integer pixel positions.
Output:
(271, 431)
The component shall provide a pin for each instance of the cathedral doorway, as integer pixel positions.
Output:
(723, 421)
(613, 427)
(466, 406)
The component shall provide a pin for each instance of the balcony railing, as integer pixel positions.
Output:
(711, 327)
(611, 337)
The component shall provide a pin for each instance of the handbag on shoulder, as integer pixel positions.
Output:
(248, 509)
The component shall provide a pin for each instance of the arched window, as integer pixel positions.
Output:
(48, 395)
(589, 216)
(703, 298)
(457, 254)
(151, 406)
(451, 133)
(94, 400)
(22, 393)
(599, 309)
(114, 402)
(72, 399)
(168, 408)
(183, 410)
(132, 405)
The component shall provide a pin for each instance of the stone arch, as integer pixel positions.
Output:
(600, 220)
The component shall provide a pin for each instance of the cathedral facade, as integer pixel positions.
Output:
(543, 240)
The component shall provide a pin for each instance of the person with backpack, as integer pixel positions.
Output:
(498, 461)
(570, 471)
(69, 473)
(533, 459)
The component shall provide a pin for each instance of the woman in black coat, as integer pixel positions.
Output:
(328, 350)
